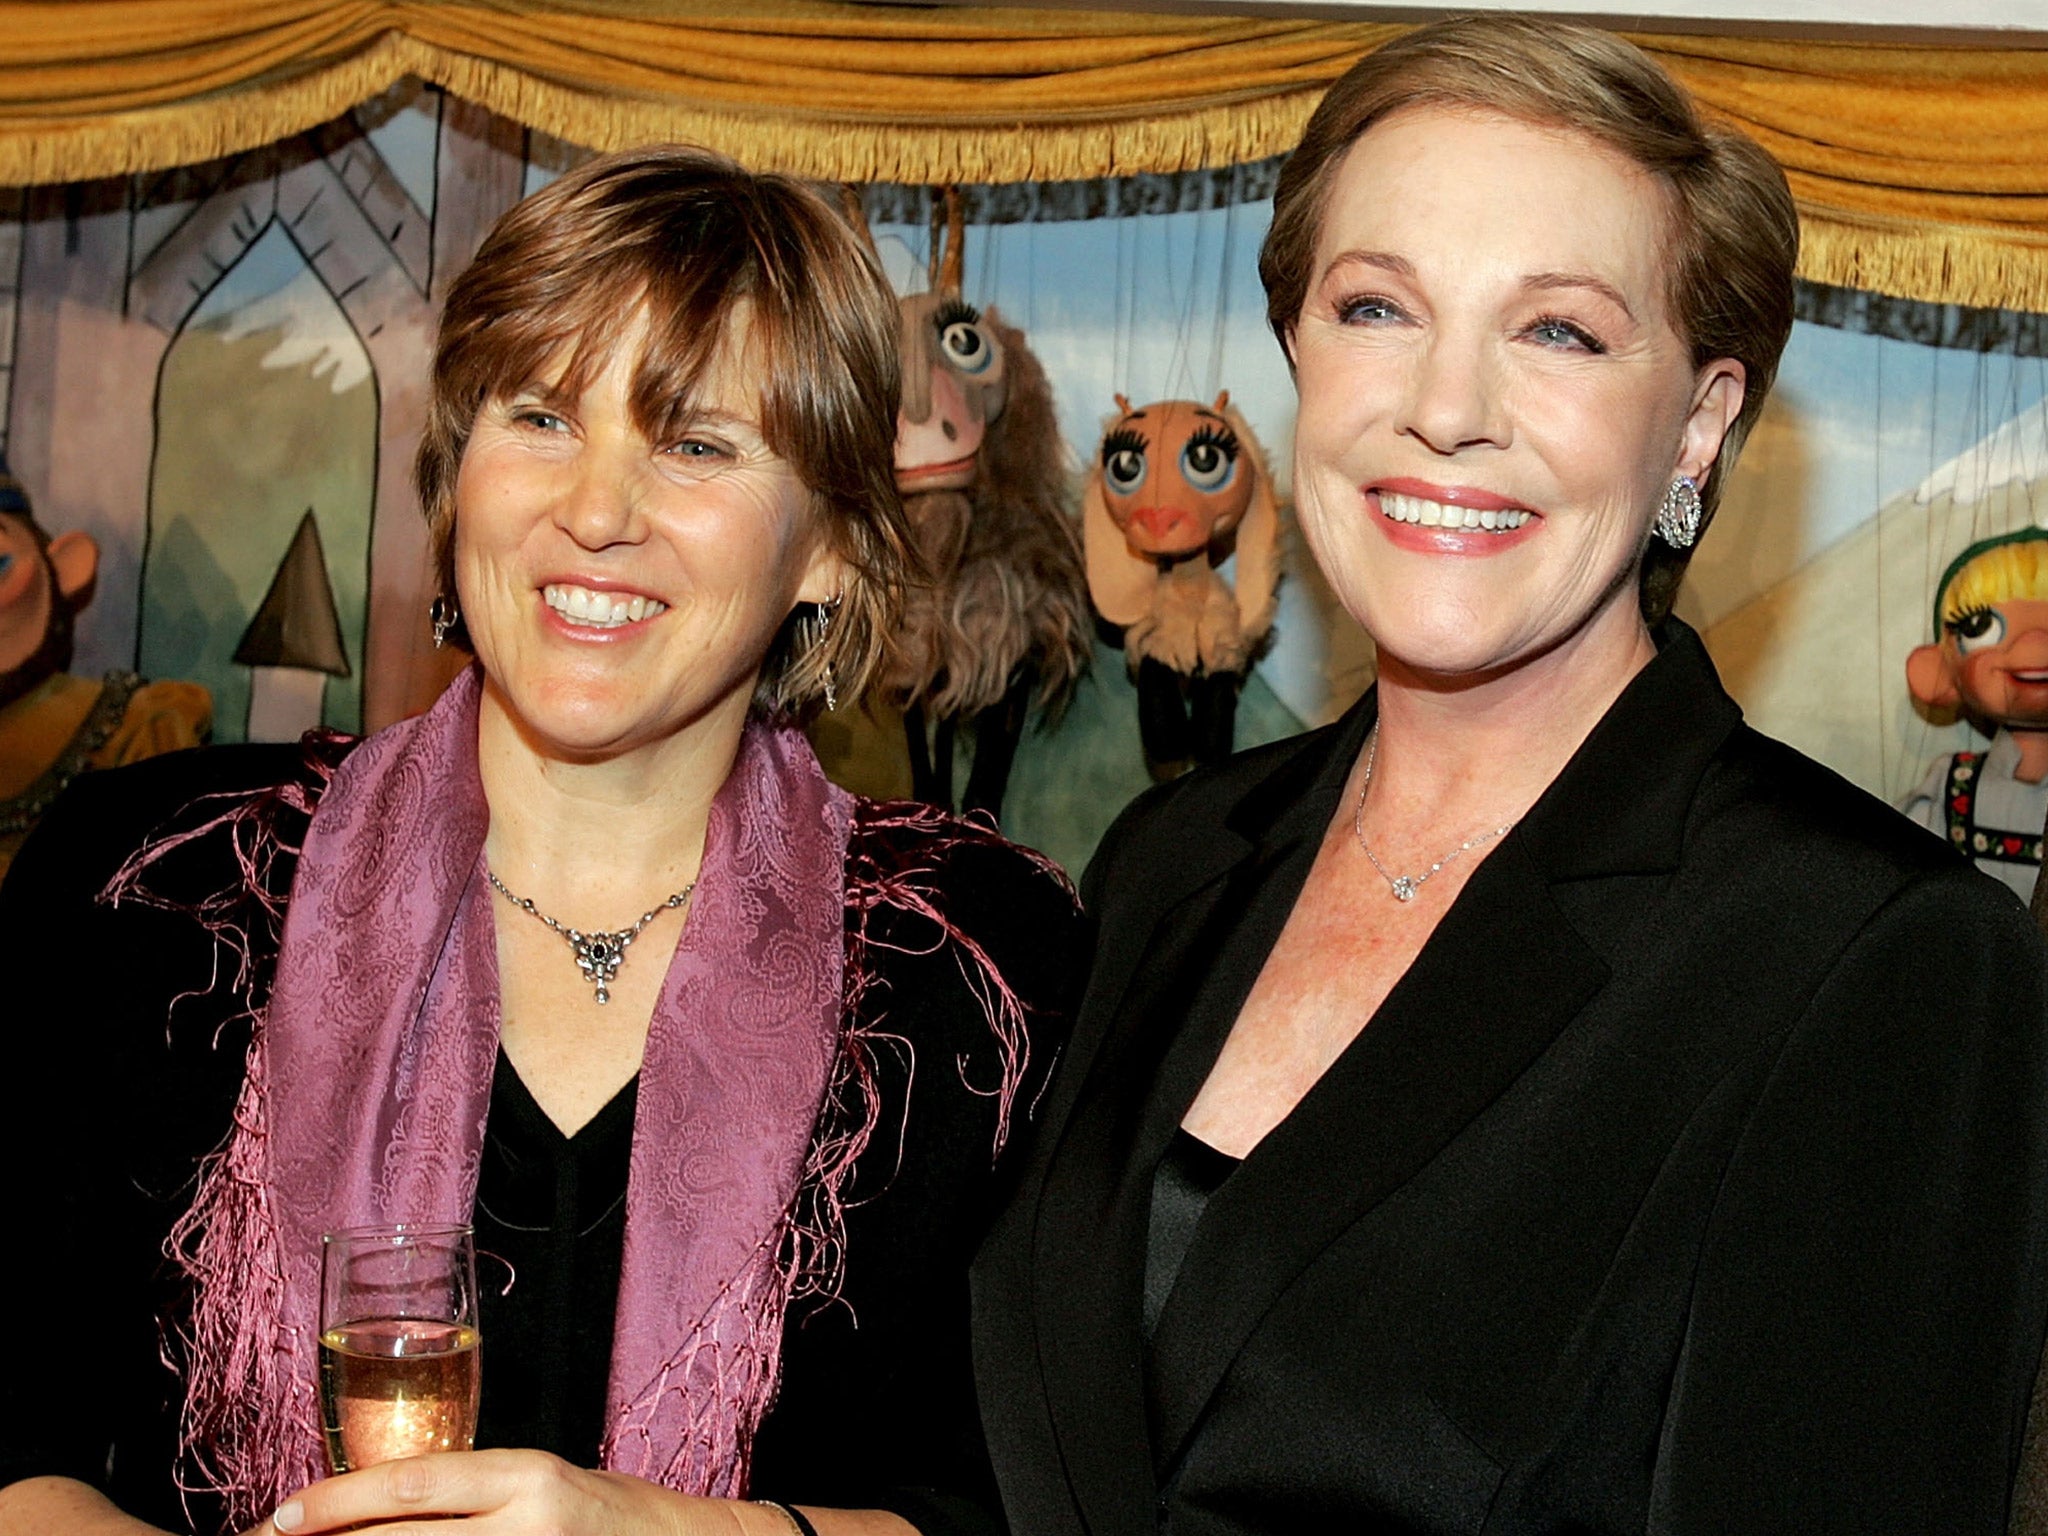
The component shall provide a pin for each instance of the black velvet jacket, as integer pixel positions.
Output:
(121, 1082)
(1693, 1180)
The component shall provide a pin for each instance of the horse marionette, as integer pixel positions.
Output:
(978, 461)
(1177, 489)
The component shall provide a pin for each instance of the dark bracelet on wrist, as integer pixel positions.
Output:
(792, 1514)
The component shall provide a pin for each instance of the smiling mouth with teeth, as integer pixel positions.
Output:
(1435, 514)
(599, 610)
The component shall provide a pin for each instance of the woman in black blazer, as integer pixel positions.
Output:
(1536, 1103)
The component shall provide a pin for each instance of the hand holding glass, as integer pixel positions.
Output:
(398, 1343)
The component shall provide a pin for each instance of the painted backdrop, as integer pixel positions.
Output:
(194, 364)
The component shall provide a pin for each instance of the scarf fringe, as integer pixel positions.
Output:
(229, 1351)
(230, 1355)
(884, 871)
(710, 1376)
(236, 914)
(879, 875)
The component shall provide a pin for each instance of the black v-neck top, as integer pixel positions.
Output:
(1187, 1176)
(550, 1234)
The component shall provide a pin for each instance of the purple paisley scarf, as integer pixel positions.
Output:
(369, 1077)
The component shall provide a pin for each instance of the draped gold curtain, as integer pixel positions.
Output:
(1921, 172)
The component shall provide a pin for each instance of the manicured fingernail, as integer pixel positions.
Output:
(289, 1516)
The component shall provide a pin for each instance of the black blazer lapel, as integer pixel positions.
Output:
(1193, 965)
(1505, 972)
(1089, 1258)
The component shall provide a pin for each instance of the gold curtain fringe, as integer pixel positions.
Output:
(38, 153)
(828, 149)
(1941, 264)
(821, 148)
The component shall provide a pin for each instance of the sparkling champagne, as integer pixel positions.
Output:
(397, 1386)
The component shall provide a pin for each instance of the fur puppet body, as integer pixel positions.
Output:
(1007, 588)
(1192, 623)
(1005, 613)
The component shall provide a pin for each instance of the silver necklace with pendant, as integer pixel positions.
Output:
(598, 954)
(1404, 887)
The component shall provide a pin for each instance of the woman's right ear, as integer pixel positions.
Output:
(1930, 678)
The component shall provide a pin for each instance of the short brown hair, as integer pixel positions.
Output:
(1735, 232)
(693, 239)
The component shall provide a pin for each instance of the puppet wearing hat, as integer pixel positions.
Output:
(54, 726)
(1177, 489)
(1989, 662)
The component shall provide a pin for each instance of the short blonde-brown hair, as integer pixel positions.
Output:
(1734, 230)
(694, 241)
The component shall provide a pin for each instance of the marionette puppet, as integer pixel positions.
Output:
(978, 461)
(1989, 663)
(54, 726)
(1177, 489)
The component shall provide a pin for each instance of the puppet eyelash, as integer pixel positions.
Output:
(1968, 621)
(1222, 439)
(1122, 440)
(953, 312)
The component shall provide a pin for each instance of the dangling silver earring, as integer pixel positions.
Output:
(444, 616)
(816, 629)
(1678, 517)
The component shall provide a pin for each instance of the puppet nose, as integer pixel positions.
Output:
(946, 440)
(1162, 522)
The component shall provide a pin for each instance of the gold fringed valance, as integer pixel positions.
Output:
(840, 92)
(1920, 172)
(1941, 264)
(830, 148)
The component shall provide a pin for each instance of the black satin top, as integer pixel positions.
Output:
(1189, 1173)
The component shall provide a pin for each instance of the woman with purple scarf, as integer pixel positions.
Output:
(727, 1159)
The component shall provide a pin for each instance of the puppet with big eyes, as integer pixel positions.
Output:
(978, 461)
(1989, 663)
(1177, 489)
(54, 726)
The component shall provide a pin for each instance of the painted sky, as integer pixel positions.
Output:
(272, 289)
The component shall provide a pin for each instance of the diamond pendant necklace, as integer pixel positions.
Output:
(1404, 887)
(598, 954)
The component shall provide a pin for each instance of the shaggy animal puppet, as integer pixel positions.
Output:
(1177, 489)
(978, 462)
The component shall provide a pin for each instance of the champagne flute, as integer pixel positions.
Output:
(398, 1342)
